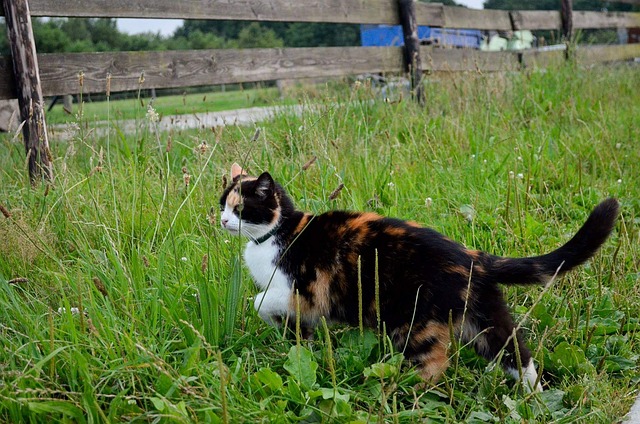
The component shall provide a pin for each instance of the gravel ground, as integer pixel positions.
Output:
(248, 116)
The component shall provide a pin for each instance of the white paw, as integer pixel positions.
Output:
(529, 378)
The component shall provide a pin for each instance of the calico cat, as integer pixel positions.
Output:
(311, 264)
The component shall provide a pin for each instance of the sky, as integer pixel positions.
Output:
(166, 27)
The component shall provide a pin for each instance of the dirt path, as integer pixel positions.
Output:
(248, 116)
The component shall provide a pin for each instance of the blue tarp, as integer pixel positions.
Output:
(391, 35)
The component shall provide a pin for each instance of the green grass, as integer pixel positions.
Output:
(166, 330)
(186, 104)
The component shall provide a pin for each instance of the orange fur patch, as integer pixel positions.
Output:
(303, 223)
(320, 303)
(434, 362)
(395, 231)
(458, 269)
(359, 221)
(433, 330)
(234, 198)
(479, 269)
(474, 254)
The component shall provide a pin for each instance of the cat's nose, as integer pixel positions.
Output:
(224, 222)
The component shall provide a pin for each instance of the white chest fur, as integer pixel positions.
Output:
(274, 299)
(261, 261)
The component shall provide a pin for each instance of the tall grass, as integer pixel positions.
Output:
(121, 299)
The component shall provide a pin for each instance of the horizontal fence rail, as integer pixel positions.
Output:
(175, 69)
(332, 11)
(166, 69)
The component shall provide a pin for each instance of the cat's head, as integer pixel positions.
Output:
(250, 206)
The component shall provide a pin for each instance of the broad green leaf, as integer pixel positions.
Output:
(381, 370)
(269, 379)
(570, 359)
(512, 406)
(361, 345)
(328, 393)
(616, 363)
(57, 407)
(481, 417)
(293, 389)
(302, 366)
(158, 403)
(552, 399)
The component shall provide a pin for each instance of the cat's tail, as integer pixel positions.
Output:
(540, 269)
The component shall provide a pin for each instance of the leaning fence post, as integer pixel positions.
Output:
(27, 77)
(412, 64)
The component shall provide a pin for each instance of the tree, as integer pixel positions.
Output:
(49, 36)
(286, 33)
(255, 36)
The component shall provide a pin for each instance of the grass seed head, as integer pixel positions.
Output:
(335, 193)
(18, 280)
(100, 286)
(5, 211)
(204, 264)
(309, 163)
(109, 84)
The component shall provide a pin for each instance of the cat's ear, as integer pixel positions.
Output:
(236, 171)
(265, 185)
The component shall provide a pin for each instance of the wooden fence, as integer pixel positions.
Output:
(58, 73)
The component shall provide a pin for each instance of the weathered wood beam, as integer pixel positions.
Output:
(566, 18)
(28, 89)
(412, 62)
(187, 68)
(536, 19)
(463, 60)
(353, 11)
(600, 20)
(173, 69)
(461, 17)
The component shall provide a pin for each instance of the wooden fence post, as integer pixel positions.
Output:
(30, 100)
(412, 63)
(566, 18)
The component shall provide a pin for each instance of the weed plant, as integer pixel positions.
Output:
(121, 299)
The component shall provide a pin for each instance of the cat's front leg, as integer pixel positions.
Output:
(272, 306)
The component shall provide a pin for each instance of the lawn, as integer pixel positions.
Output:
(166, 105)
(121, 299)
